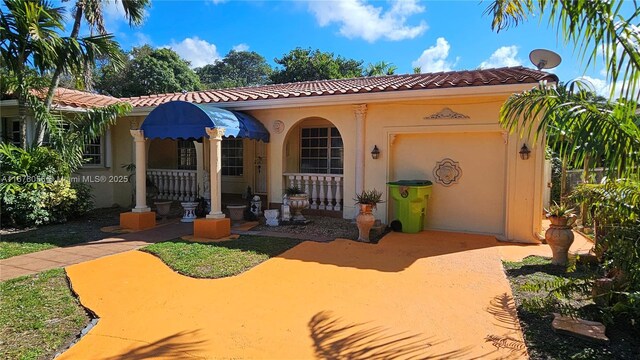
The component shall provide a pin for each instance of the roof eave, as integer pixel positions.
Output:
(359, 98)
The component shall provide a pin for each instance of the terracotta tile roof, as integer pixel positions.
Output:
(79, 99)
(464, 78)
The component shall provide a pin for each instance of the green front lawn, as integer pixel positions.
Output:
(222, 259)
(39, 316)
(18, 242)
(528, 279)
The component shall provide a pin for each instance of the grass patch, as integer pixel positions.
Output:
(24, 241)
(222, 259)
(38, 316)
(530, 282)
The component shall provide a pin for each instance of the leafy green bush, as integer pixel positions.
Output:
(35, 188)
(615, 206)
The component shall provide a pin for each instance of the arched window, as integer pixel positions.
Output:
(321, 150)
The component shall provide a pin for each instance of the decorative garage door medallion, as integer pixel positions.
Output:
(447, 172)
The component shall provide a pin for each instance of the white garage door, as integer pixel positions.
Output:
(477, 202)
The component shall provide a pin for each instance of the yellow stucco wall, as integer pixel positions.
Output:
(498, 193)
(109, 181)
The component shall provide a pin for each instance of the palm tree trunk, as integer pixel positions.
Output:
(22, 115)
(585, 179)
(55, 79)
(563, 180)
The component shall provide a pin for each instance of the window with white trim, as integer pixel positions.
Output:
(11, 131)
(186, 155)
(232, 158)
(321, 151)
(94, 152)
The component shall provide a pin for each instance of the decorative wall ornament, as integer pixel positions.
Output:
(446, 113)
(447, 172)
(278, 126)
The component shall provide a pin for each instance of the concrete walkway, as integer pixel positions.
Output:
(61, 257)
(428, 295)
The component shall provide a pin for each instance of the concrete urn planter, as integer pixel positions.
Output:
(559, 237)
(189, 211)
(163, 208)
(297, 203)
(365, 221)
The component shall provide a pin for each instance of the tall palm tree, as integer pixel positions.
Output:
(28, 43)
(580, 125)
(599, 30)
(92, 11)
(31, 42)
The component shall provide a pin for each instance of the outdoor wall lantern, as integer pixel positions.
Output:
(375, 153)
(524, 152)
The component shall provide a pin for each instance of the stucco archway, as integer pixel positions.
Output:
(313, 160)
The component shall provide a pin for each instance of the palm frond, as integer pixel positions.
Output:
(579, 124)
(600, 30)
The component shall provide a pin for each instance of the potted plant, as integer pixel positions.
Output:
(559, 236)
(367, 200)
(298, 200)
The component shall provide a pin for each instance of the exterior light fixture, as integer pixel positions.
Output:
(375, 153)
(524, 152)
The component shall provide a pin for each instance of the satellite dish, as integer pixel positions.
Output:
(544, 59)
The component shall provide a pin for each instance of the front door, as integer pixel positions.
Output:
(260, 162)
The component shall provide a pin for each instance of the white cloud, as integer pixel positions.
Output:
(358, 19)
(504, 56)
(602, 87)
(240, 47)
(216, 2)
(195, 50)
(141, 39)
(434, 59)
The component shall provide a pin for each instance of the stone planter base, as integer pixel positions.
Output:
(189, 211)
(163, 208)
(236, 212)
(365, 221)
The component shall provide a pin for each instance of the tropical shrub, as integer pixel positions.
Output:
(35, 187)
(615, 207)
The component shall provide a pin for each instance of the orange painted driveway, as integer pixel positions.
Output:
(429, 295)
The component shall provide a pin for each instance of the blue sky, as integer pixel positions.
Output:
(435, 35)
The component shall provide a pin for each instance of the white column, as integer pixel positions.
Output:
(215, 170)
(141, 172)
(360, 113)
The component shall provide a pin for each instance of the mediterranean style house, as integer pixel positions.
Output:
(320, 136)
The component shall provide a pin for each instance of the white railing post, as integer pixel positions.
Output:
(313, 198)
(338, 206)
(325, 190)
(330, 192)
(162, 193)
(321, 206)
(299, 181)
(179, 185)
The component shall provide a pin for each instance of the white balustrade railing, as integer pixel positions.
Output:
(324, 190)
(181, 185)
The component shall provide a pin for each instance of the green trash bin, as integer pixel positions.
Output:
(411, 202)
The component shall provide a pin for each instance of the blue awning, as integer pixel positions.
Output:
(185, 120)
